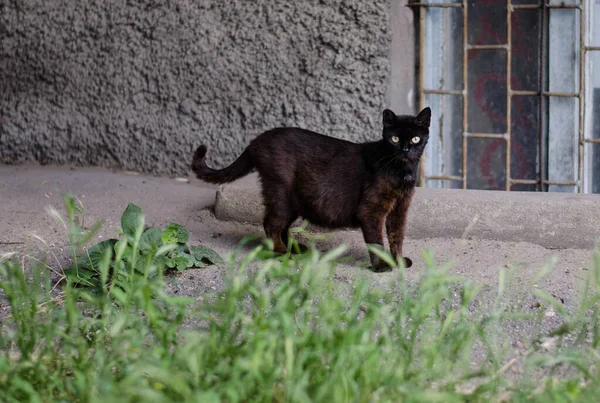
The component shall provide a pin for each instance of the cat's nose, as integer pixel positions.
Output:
(405, 150)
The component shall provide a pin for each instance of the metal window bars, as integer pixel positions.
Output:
(542, 182)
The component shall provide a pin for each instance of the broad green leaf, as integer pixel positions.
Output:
(74, 274)
(182, 261)
(140, 265)
(202, 254)
(152, 271)
(82, 277)
(161, 261)
(131, 219)
(175, 233)
(151, 237)
(183, 248)
(91, 258)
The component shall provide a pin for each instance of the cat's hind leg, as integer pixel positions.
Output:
(278, 217)
(274, 224)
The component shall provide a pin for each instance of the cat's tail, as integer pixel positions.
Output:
(240, 167)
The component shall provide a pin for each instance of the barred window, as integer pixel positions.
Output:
(514, 87)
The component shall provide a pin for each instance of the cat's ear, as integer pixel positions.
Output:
(424, 118)
(389, 118)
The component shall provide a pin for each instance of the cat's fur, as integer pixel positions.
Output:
(333, 183)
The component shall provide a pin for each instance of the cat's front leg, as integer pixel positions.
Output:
(372, 227)
(396, 224)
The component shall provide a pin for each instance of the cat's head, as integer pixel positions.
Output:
(407, 135)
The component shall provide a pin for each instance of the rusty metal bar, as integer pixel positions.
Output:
(501, 136)
(435, 5)
(443, 92)
(564, 5)
(487, 47)
(445, 177)
(524, 93)
(526, 6)
(594, 141)
(592, 48)
(581, 93)
(561, 94)
(465, 89)
(508, 89)
(524, 181)
(542, 99)
(561, 183)
(544, 5)
(545, 93)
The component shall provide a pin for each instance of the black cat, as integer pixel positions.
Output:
(331, 182)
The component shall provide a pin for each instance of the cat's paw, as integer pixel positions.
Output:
(381, 267)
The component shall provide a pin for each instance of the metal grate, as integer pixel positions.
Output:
(541, 182)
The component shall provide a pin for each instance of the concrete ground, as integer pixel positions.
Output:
(25, 191)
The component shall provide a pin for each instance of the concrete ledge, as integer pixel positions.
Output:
(552, 220)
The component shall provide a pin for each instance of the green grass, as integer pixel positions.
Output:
(281, 330)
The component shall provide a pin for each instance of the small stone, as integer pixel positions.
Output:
(549, 343)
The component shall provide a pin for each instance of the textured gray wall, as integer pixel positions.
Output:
(139, 84)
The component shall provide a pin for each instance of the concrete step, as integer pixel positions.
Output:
(551, 220)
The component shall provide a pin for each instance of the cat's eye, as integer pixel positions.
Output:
(395, 139)
(415, 140)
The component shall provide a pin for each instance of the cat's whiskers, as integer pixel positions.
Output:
(382, 158)
(393, 158)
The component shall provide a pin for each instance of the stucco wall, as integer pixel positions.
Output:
(139, 84)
